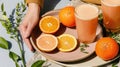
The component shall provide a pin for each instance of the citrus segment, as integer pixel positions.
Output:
(47, 42)
(107, 48)
(66, 16)
(67, 42)
(49, 24)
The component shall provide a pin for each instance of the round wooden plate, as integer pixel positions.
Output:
(65, 56)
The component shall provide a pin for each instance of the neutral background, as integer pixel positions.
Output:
(5, 61)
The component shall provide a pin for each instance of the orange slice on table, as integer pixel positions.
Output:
(67, 42)
(49, 24)
(47, 42)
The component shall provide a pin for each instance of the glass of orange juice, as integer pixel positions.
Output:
(86, 16)
(111, 14)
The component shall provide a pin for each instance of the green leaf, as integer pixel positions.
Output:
(4, 13)
(3, 43)
(38, 63)
(83, 47)
(14, 56)
(18, 5)
(3, 23)
(17, 13)
(23, 7)
(5, 18)
(100, 17)
(114, 65)
(116, 37)
(2, 7)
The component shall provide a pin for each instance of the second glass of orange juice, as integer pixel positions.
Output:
(111, 14)
(86, 16)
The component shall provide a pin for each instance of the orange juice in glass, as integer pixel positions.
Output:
(111, 14)
(86, 16)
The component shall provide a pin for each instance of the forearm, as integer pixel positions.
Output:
(33, 11)
(33, 7)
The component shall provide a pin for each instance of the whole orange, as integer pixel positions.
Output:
(107, 48)
(66, 16)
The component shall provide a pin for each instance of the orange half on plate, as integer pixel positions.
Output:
(67, 42)
(49, 24)
(47, 42)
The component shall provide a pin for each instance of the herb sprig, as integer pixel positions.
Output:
(11, 25)
(115, 36)
(83, 47)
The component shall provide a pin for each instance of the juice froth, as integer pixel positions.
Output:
(86, 11)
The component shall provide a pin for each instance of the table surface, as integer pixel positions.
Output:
(5, 61)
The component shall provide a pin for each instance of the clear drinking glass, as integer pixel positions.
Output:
(111, 14)
(86, 16)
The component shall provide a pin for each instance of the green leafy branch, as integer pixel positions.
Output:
(38, 63)
(11, 25)
(5, 45)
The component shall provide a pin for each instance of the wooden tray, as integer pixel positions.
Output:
(57, 55)
(73, 58)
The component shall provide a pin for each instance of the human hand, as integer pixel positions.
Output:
(30, 20)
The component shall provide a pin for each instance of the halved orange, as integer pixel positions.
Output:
(49, 24)
(67, 42)
(47, 42)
